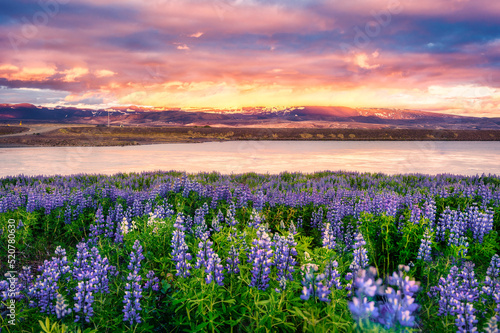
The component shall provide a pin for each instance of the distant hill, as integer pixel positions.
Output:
(293, 117)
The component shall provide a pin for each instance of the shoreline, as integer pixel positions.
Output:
(14, 145)
(87, 136)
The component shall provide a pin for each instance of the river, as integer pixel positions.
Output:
(391, 157)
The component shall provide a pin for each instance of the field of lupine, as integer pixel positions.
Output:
(323, 252)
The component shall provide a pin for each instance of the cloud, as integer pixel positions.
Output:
(362, 61)
(71, 75)
(32, 96)
(103, 73)
(40, 73)
(196, 35)
(464, 91)
(421, 54)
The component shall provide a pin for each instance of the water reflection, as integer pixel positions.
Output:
(468, 158)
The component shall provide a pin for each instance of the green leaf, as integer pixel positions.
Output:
(201, 326)
(299, 312)
(42, 325)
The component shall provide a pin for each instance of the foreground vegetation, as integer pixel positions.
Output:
(324, 252)
(4, 130)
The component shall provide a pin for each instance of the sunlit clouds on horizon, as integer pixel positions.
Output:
(441, 55)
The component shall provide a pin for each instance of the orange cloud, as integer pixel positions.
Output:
(196, 35)
(71, 75)
(104, 73)
(12, 72)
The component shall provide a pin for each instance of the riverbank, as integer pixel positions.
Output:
(82, 135)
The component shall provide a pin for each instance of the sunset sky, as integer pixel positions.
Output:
(438, 55)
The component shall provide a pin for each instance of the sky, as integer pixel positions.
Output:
(435, 55)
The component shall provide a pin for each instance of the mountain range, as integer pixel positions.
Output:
(291, 117)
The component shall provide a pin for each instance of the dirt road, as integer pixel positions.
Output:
(38, 129)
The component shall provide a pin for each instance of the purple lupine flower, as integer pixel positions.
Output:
(200, 229)
(284, 257)
(118, 213)
(230, 219)
(332, 275)
(148, 208)
(180, 254)
(443, 224)
(216, 225)
(467, 282)
(312, 285)
(62, 309)
(282, 285)
(334, 218)
(361, 308)
(97, 228)
(26, 277)
(261, 256)
(133, 290)
(445, 290)
(67, 214)
(317, 219)
(360, 260)
(220, 216)
(485, 225)
(81, 264)
(5, 288)
(189, 224)
(457, 294)
(259, 201)
(415, 213)
(308, 273)
(424, 252)
(180, 222)
(133, 294)
(137, 207)
(492, 279)
(322, 291)
(329, 241)
(199, 224)
(256, 219)
(457, 227)
(44, 291)
(101, 269)
(84, 298)
(430, 211)
(348, 237)
(466, 319)
(400, 304)
(119, 232)
(214, 270)
(300, 222)
(152, 282)
(60, 261)
(496, 299)
(493, 270)
(234, 254)
(396, 303)
(492, 325)
(463, 247)
(205, 252)
(110, 226)
(136, 257)
(233, 260)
